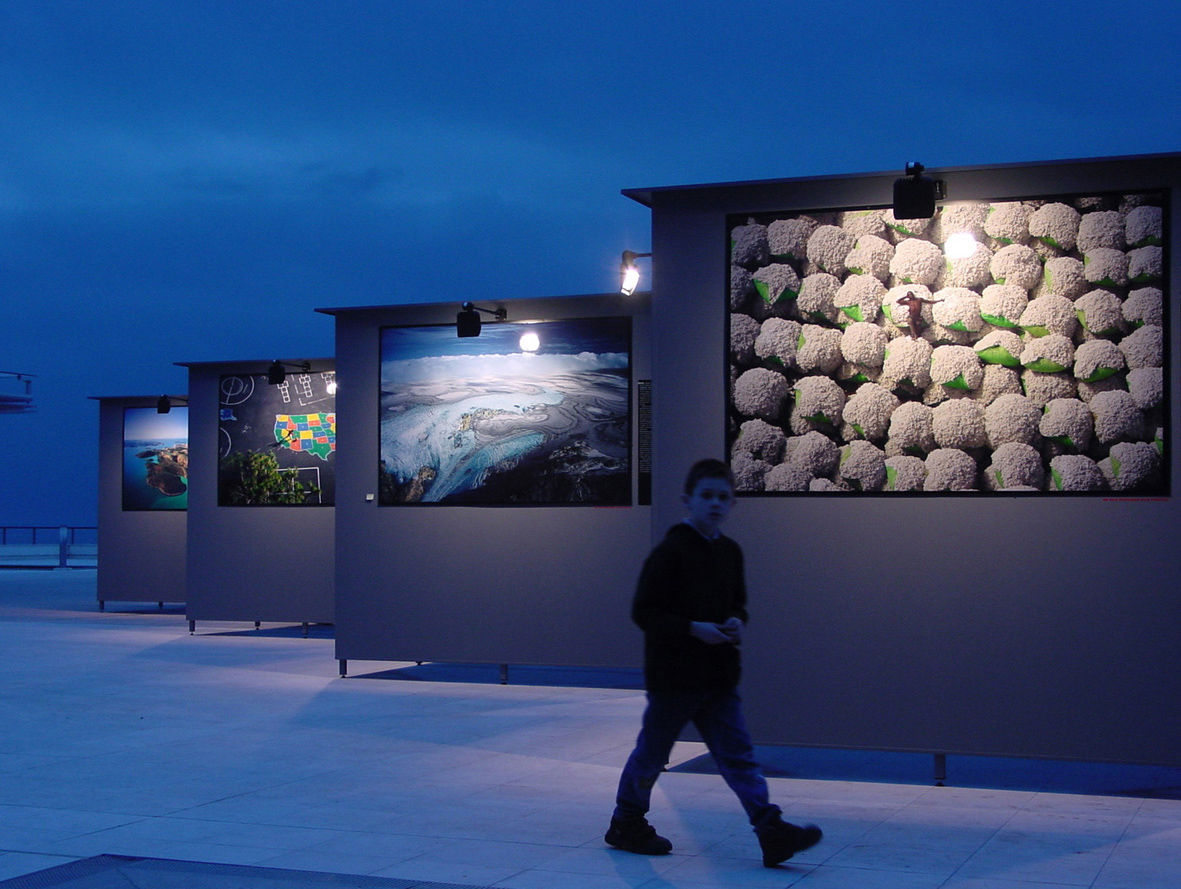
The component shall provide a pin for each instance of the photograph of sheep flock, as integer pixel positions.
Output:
(1011, 346)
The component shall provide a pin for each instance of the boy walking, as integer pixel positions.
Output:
(691, 604)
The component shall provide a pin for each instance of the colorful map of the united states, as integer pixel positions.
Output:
(307, 433)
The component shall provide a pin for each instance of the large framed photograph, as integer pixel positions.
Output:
(1000, 347)
(523, 414)
(155, 459)
(277, 443)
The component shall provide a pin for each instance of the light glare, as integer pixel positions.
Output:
(530, 342)
(961, 245)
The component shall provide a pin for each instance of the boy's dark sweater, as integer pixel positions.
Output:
(689, 578)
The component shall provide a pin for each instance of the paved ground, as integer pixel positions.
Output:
(122, 735)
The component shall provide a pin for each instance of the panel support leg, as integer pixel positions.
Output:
(940, 769)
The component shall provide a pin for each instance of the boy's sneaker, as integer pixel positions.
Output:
(780, 841)
(636, 835)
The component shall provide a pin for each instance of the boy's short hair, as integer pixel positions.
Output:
(707, 468)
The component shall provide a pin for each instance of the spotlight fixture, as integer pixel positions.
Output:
(467, 319)
(164, 404)
(277, 372)
(629, 274)
(915, 194)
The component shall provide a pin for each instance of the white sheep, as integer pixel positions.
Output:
(950, 469)
(1117, 417)
(748, 245)
(1145, 265)
(743, 331)
(904, 473)
(973, 270)
(786, 478)
(827, 248)
(1008, 222)
(787, 239)
(1144, 347)
(905, 228)
(819, 401)
(1131, 466)
(1064, 276)
(1049, 314)
(1055, 225)
(864, 344)
(760, 392)
(748, 471)
(826, 486)
(966, 217)
(1097, 360)
(859, 298)
(1068, 422)
(1042, 388)
(870, 255)
(1147, 385)
(1087, 391)
(778, 341)
(1016, 264)
(859, 223)
(1002, 305)
(1074, 472)
(959, 423)
(862, 466)
(911, 430)
(741, 286)
(1143, 227)
(956, 367)
(815, 299)
(1100, 313)
(814, 453)
(907, 363)
(958, 308)
(1012, 418)
(1105, 267)
(1000, 347)
(1048, 354)
(1103, 229)
(867, 413)
(998, 380)
(1015, 465)
(1144, 305)
(916, 262)
(777, 284)
(761, 440)
(819, 349)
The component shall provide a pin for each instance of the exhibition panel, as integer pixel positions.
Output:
(143, 490)
(263, 449)
(1030, 608)
(488, 503)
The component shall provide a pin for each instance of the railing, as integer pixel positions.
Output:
(45, 546)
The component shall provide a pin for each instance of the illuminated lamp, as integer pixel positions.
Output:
(629, 273)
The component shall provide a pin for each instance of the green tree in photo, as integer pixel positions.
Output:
(253, 478)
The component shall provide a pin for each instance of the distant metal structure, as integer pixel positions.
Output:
(16, 392)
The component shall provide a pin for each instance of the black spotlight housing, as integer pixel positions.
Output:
(163, 405)
(467, 321)
(915, 194)
(276, 374)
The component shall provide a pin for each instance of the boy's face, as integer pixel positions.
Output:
(709, 504)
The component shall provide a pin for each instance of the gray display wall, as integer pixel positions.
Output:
(270, 563)
(507, 584)
(142, 550)
(1018, 624)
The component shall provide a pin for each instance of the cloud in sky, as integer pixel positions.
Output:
(188, 181)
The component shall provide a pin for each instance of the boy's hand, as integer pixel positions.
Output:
(710, 634)
(733, 629)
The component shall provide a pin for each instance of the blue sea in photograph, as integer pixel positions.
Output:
(144, 486)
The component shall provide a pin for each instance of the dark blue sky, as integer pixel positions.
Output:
(188, 181)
